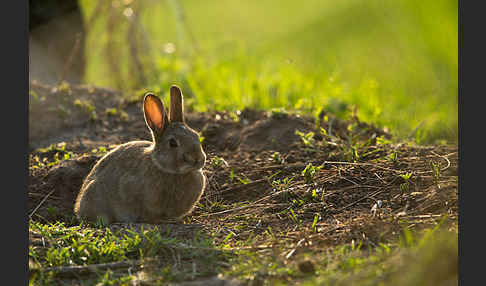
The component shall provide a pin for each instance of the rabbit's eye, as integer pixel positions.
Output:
(173, 143)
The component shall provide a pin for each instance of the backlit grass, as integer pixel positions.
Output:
(396, 61)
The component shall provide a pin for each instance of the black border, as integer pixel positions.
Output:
(14, 118)
(471, 86)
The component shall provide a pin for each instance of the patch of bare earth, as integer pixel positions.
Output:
(365, 190)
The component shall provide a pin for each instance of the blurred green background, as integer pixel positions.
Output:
(395, 61)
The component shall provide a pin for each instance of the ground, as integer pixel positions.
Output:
(284, 191)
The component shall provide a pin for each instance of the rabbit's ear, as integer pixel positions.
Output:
(176, 104)
(154, 112)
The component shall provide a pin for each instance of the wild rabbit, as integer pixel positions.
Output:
(143, 181)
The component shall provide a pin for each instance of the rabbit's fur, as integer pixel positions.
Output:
(143, 181)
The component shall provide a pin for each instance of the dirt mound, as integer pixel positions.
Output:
(65, 111)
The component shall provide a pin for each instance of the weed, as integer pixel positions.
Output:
(85, 105)
(63, 88)
(111, 111)
(93, 116)
(278, 113)
(294, 217)
(218, 162)
(244, 180)
(309, 172)
(110, 278)
(404, 187)
(234, 116)
(282, 184)
(100, 150)
(33, 95)
(435, 166)
(316, 219)
(51, 155)
(213, 206)
(381, 140)
(317, 194)
(276, 157)
(392, 157)
(123, 115)
(307, 138)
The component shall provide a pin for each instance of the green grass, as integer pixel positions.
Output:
(427, 258)
(395, 60)
(60, 245)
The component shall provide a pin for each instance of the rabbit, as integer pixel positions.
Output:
(143, 181)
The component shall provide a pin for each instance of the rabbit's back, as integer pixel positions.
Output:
(101, 194)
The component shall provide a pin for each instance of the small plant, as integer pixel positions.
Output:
(406, 176)
(215, 206)
(111, 111)
(317, 194)
(34, 95)
(307, 138)
(404, 187)
(323, 131)
(100, 223)
(234, 116)
(381, 140)
(297, 202)
(232, 176)
(123, 115)
(93, 116)
(436, 172)
(84, 105)
(277, 158)
(317, 217)
(100, 149)
(64, 87)
(294, 217)
(110, 278)
(352, 147)
(278, 113)
(244, 180)
(309, 172)
(57, 151)
(218, 162)
(282, 184)
(393, 157)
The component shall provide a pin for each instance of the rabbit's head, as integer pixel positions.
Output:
(177, 147)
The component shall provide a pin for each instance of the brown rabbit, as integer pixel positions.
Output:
(143, 181)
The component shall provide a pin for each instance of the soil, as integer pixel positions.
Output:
(249, 157)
